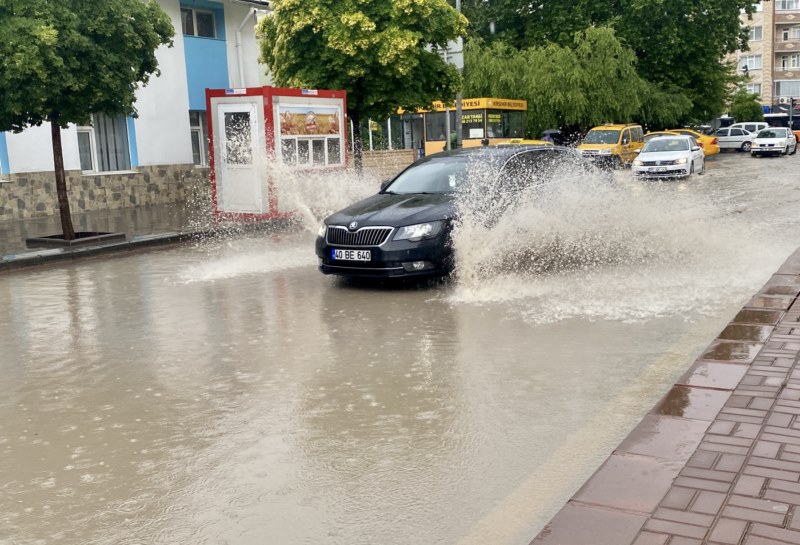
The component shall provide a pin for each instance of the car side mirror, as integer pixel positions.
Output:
(695, 148)
(385, 184)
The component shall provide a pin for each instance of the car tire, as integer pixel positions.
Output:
(794, 150)
(785, 150)
(746, 146)
(691, 168)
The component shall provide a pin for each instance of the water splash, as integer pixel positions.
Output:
(584, 245)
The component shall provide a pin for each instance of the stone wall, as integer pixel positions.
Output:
(33, 194)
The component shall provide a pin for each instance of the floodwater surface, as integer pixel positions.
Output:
(226, 392)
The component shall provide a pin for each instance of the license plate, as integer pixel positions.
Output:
(351, 255)
(658, 169)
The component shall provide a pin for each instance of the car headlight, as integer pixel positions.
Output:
(681, 161)
(637, 162)
(419, 231)
(323, 229)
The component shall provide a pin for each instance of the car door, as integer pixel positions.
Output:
(723, 138)
(738, 137)
(627, 154)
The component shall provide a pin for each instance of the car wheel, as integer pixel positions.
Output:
(785, 150)
(794, 150)
(746, 146)
(691, 168)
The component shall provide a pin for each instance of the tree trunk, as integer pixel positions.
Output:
(61, 180)
(358, 151)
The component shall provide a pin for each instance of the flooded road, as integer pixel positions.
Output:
(226, 392)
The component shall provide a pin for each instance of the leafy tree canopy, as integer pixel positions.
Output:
(376, 51)
(593, 81)
(746, 106)
(679, 44)
(71, 58)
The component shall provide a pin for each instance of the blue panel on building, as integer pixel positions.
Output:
(206, 66)
(4, 168)
(206, 58)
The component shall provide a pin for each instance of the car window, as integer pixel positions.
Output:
(737, 132)
(721, 132)
(626, 136)
(435, 175)
(663, 145)
(602, 136)
(772, 133)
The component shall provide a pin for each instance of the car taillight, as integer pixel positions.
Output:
(713, 141)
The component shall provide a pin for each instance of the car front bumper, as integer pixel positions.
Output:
(774, 150)
(431, 257)
(672, 171)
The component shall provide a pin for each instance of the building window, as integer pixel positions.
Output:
(787, 88)
(756, 34)
(754, 88)
(790, 62)
(104, 146)
(199, 133)
(198, 23)
(750, 62)
(790, 33)
(786, 5)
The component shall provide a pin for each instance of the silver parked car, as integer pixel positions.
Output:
(734, 138)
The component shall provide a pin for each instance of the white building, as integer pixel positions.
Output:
(159, 155)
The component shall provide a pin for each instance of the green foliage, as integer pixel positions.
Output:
(678, 43)
(71, 58)
(375, 51)
(746, 106)
(592, 82)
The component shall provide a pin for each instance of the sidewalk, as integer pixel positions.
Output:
(717, 460)
(146, 225)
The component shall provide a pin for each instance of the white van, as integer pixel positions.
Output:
(751, 126)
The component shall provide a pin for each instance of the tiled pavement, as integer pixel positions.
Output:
(717, 460)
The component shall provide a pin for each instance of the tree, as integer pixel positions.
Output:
(592, 82)
(62, 61)
(746, 106)
(678, 43)
(378, 52)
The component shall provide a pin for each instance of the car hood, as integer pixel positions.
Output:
(595, 147)
(664, 156)
(396, 210)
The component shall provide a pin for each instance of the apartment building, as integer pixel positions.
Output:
(159, 156)
(772, 63)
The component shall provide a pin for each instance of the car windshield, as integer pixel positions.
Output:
(601, 137)
(772, 133)
(665, 145)
(437, 175)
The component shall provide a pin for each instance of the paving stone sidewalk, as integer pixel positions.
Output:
(717, 460)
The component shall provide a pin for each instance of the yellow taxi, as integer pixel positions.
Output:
(613, 145)
(708, 143)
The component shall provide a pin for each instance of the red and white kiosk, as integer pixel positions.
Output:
(257, 132)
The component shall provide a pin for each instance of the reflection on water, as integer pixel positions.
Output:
(229, 393)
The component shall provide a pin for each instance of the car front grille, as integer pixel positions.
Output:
(366, 236)
(658, 163)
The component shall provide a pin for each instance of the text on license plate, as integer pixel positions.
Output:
(658, 169)
(351, 255)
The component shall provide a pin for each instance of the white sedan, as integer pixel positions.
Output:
(774, 141)
(669, 157)
(734, 138)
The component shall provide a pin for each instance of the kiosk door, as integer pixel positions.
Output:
(238, 170)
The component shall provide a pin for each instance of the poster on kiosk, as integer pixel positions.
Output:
(259, 135)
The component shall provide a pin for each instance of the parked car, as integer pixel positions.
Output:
(774, 141)
(751, 126)
(708, 142)
(734, 139)
(611, 145)
(669, 157)
(404, 230)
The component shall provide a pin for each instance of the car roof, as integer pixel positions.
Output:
(498, 151)
(672, 137)
(615, 126)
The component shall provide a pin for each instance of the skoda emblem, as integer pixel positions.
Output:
(658, 162)
(353, 225)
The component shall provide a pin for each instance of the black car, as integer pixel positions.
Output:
(404, 230)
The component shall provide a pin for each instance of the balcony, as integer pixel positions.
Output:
(787, 17)
(788, 46)
(785, 73)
